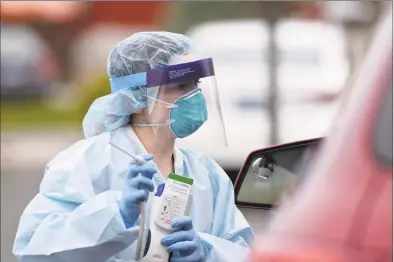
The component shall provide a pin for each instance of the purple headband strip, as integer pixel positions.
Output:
(180, 73)
(165, 75)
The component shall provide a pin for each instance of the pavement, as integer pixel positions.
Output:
(23, 149)
(23, 159)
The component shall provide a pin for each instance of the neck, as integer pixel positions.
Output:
(161, 148)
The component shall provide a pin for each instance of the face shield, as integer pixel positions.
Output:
(182, 102)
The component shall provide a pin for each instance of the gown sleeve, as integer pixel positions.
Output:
(67, 220)
(231, 234)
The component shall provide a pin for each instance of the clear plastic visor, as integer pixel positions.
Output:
(183, 104)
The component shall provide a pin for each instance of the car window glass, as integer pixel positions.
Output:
(258, 189)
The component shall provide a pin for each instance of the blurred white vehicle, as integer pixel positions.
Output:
(313, 67)
(28, 67)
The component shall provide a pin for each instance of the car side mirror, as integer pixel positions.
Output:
(270, 174)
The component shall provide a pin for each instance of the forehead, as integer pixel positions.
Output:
(183, 59)
(187, 58)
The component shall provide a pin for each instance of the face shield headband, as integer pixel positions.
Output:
(172, 74)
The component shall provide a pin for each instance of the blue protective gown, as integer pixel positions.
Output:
(75, 216)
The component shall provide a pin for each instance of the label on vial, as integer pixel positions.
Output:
(174, 200)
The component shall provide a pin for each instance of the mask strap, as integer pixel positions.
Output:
(169, 105)
(168, 122)
(192, 93)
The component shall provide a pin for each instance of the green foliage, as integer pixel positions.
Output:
(31, 114)
(28, 114)
(97, 87)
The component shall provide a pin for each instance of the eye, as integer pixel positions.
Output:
(184, 85)
(190, 84)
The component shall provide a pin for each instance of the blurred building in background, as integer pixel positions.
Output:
(76, 30)
(282, 68)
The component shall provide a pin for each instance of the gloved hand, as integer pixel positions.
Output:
(185, 244)
(137, 187)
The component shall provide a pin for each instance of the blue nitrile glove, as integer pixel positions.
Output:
(185, 244)
(138, 185)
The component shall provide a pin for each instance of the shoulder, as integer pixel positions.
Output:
(214, 170)
(194, 155)
(77, 151)
(73, 169)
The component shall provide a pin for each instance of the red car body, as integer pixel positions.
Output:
(343, 211)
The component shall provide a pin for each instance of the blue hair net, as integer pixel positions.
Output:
(138, 53)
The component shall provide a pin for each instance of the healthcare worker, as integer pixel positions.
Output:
(87, 208)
